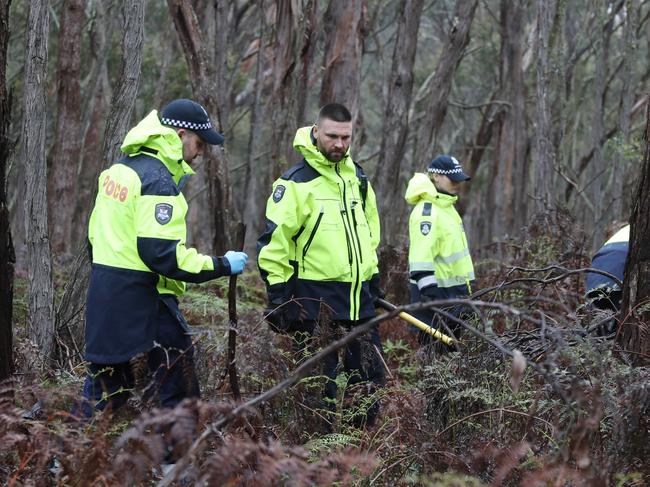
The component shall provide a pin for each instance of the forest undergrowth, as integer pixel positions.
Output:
(534, 396)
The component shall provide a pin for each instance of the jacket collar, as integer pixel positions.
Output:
(154, 139)
(421, 188)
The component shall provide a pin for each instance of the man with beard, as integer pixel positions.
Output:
(318, 254)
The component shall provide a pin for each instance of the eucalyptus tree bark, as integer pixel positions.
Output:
(126, 91)
(202, 79)
(507, 187)
(436, 101)
(7, 257)
(342, 58)
(67, 137)
(39, 257)
(627, 75)
(544, 151)
(291, 39)
(635, 311)
(395, 128)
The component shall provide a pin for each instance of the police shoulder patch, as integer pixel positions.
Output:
(163, 213)
(278, 193)
(425, 228)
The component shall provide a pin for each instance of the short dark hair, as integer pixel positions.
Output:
(336, 112)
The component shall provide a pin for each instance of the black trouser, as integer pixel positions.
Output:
(169, 365)
(361, 360)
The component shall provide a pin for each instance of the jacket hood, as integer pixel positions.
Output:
(304, 144)
(152, 134)
(421, 188)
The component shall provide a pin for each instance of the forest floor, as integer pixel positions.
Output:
(567, 410)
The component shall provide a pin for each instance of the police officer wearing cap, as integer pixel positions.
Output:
(440, 266)
(141, 264)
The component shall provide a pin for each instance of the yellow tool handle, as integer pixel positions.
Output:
(382, 303)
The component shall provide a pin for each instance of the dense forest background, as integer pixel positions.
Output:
(544, 102)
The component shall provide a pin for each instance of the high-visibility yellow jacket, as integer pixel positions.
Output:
(439, 261)
(321, 236)
(137, 239)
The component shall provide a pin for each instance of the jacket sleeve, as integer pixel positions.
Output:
(423, 247)
(275, 247)
(372, 216)
(160, 229)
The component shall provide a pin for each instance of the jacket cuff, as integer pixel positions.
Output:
(221, 266)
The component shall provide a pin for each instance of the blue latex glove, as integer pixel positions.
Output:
(237, 261)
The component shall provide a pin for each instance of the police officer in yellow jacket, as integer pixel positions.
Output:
(318, 254)
(440, 266)
(140, 262)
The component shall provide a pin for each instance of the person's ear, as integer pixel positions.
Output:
(180, 132)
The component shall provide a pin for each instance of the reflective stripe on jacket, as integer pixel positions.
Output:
(321, 236)
(438, 251)
(137, 238)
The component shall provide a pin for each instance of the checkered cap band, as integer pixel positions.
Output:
(186, 125)
(445, 171)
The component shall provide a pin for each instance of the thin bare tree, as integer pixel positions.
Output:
(7, 257)
(436, 101)
(395, 126)
(39, 256)
(64, 156)
(126, 91)
(545, 153)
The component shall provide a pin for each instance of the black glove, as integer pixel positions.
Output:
(375, 288)
(276, 316)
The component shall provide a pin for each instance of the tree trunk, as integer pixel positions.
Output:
(545, 159)
(67, 137)
(493, 213)
(595, 177)
(94, 109)
(39, 258)
(437, 99)
(7, 257)
(125, 93)
(620, 162)
(253, 207)
(635, 335)
(395, 128)
(288, 44)
(203, 80)
(342, 57)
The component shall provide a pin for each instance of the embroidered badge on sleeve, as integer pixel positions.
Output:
(163, 213)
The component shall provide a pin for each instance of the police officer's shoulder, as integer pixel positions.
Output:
(300, 173)
(155, 178)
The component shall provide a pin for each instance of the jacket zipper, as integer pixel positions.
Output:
(311, 236)
(354, 219)
(347, 238)
(348, 235)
